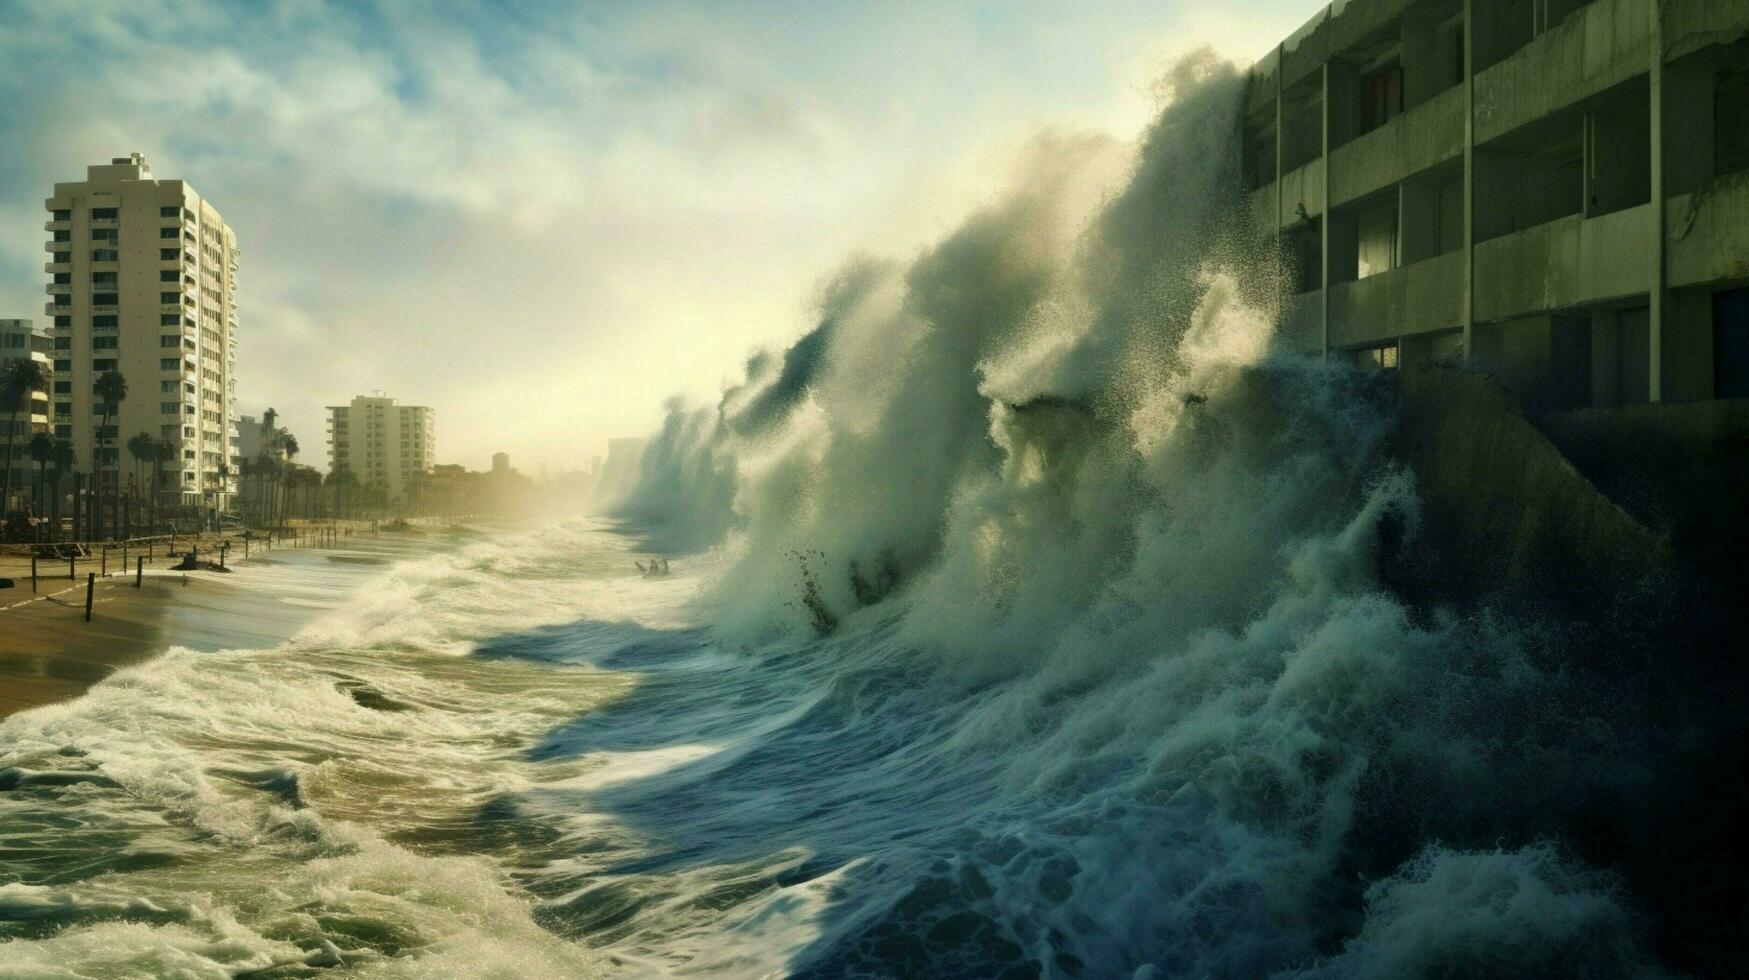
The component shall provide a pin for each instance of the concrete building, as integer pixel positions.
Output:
(1555, 190)
(382, 443)
(143, 281)
(19, 339)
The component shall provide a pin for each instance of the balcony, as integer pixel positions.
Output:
(106, 308)
(59, 288)
(53, 246)
(97, 222)
(1568, 262)
(53, 267)
(62, 225)
(1597, 47)
(1708, 232)
(1422, 138)
(1421, 297)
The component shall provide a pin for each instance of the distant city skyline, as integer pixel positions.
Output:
(607, 205)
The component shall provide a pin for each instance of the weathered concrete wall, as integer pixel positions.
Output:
(1418, 298)
(1709, 232)
(1565, 263)
(1606, 43)
(1423, 137)
(1506, 511)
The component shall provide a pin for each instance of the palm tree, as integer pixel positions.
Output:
(288, 444)
(41, 450)
(163, 451)
(142, 447)
(20, 377)
(63, 462)
(111, 390)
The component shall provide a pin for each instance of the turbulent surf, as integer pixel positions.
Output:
(1030, 616)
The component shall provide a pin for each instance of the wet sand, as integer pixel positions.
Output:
(49, 653)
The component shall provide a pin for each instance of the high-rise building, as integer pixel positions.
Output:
(20, 340)
(382, 443)
(142, 281)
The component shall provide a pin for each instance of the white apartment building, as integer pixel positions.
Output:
(381, 442)
(143, 281)
(18, 340)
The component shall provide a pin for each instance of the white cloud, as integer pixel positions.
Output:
(544, 221)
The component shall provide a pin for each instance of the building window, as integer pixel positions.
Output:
(169, 254)
(103, 279)
(170, 408)
(109, 235)
(61, 257)
(63, 432)
(63, 365)
(169, 363)
(60, 214)
(168, 340)
(168, 388)
(1382, 97)
(169, 320)
(63, 236)
(105, 255)
(63, 387)
(168, 211)
(169, 298)
(63, 277)
(168, 275)
(63, 343)
(103, 214)
(1376, 358)
(103, 364)
(103, 343)
(169, 232)
(105, 321)
(63, 300)
(63, 320)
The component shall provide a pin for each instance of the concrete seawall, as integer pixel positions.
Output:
(1507, 513)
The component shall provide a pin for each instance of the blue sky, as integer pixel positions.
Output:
(544, 219)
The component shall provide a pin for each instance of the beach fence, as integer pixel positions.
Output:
(94, 557)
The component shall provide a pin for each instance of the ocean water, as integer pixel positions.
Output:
(1030, 617)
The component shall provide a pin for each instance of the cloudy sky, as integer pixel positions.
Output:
(543, 219)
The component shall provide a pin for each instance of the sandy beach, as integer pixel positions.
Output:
(49, 653)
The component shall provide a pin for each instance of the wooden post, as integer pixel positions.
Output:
(71, 574)
(246, 546)
(105, 560)
(139, 570)
(90, 587)
(223, 547)
(33, 573)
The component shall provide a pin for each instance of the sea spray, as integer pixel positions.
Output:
(1133, 671)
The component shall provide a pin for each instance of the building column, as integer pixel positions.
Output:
(1470, 181)
(1324, 223)
(1655, 321)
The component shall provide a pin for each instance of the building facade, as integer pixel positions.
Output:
(1556, 191)
(382, 443)
(143, 281)
(20, 339)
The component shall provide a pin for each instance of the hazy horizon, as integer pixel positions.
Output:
(545, 223)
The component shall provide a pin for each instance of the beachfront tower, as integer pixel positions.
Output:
(142, 280)
(384, 444)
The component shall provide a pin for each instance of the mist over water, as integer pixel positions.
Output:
(1028, 620)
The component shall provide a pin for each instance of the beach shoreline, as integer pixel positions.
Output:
(50, 654)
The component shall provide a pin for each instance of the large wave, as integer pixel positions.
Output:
(1122, 560)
